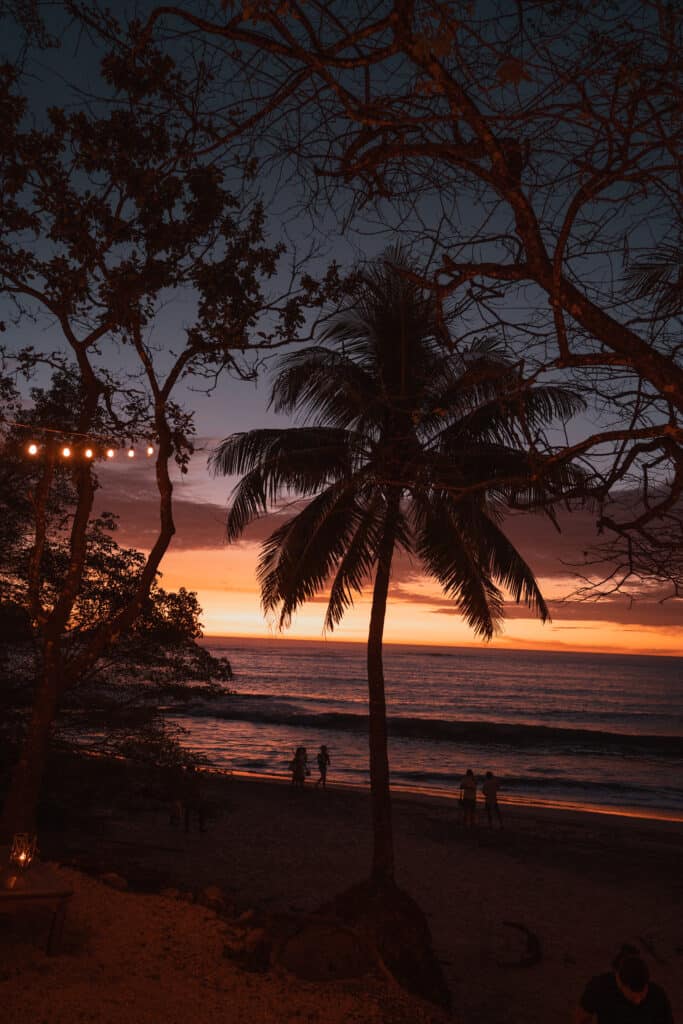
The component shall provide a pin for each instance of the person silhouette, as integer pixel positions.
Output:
(468, 787)
(624, 995)
(323, 759)
(490, 787)
(299, 766)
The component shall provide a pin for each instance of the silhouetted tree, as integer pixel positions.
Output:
(412, 444)
(108, 211)
(532, 149)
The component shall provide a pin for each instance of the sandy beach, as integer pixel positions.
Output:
(569, 886)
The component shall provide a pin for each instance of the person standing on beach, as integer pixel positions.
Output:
(490, 787)
(299, 767)
(624, 995)
(323, 759)
(468, 787)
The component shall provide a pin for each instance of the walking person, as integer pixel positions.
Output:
(323, 759)
(624, 995)
(468, 787)
(490, 787)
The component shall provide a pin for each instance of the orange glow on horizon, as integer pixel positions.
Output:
(225, 582)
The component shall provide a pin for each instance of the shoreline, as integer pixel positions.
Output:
(508, 800)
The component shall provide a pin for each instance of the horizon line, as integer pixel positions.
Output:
(482, 646)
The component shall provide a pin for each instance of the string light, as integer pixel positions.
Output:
(82, 444)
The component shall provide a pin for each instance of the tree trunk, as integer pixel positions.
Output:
(382, 828)
(19, 810)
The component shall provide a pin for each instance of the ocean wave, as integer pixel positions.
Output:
(276, 711)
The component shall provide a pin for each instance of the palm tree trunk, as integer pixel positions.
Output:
(382, 828)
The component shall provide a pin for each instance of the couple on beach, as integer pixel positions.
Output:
(468, 798)
(299, 766)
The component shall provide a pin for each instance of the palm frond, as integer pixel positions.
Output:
(299, 557)
(355, 568)
(323, 384)
(395, 413)
(449, 555)
(659, 276)
(508, 567)
(299, 460)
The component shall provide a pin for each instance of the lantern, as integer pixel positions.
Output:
(23, 850)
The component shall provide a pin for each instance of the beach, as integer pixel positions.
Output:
(567, 887)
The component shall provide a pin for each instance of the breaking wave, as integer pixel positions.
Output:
(278, 711)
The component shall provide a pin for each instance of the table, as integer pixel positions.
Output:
(37, 884)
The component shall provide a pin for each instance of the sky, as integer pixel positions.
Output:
(224, 576)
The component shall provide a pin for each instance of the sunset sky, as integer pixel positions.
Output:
(224, 575)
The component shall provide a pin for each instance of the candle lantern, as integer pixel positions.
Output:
(23, 850)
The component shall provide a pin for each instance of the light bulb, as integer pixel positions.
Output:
(88, 453)
(33, 449)
(150, 449)
(109, 453)
(66, 452)
(131, 453)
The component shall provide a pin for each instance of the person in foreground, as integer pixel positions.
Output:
(624, 995)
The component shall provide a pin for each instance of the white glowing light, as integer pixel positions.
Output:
(131, 453)
(66, 452)
(109, 453)
(33, 449)
(150, 449)
(88, 453)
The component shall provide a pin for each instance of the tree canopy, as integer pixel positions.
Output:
(110, 209)
(533, 151)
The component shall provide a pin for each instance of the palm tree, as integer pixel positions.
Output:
(659, 276)
(407, 446)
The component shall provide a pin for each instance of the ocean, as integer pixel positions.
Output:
(596, 731)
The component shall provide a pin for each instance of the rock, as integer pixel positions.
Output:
(252, 952)
(391, 923)
(212, 897)
(113, 880)
(253, 937)
(233, 948)
(325, 951)
(528, 952)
